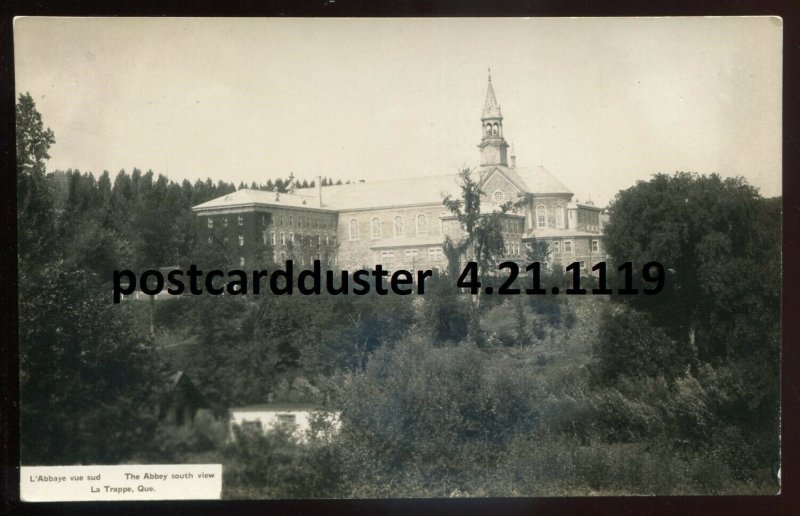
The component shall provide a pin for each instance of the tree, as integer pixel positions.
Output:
(35, 217)
(719, 243)
(538, 251)
(87, 381)
(719, 310)
(483, 241)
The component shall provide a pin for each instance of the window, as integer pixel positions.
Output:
(241, 220)
(286, 419)
(498, 196)
(556, 247)
(398, 226)
(264, 237)
(442, 216)
(327, 240)
(541, 217)
(567, 246)
(210, 222)
(272, 237)
(422, 225)
(435, 254)
(263, 220)
(251, 427)
(387, 257)
(291, 221)
(210, 240)
(410, 255)
(291, 237)
(560, 217)
(225, 221)
(283, 238)
(241, 261)
(241, 240)
(595, 246)
(354, 229)
(376, 228)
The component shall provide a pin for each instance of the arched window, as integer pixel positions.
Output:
(541, 217)
(442, 216)
(494, 130)
(488, 129)
(422, 225)
(353, 229)
(560, 217)
(376, 227)
(398, 226)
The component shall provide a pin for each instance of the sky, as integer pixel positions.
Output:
(600, 102)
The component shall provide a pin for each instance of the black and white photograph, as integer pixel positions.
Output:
(373, 258)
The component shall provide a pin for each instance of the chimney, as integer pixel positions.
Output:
(318, 183)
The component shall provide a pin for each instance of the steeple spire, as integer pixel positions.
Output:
(491, 109)
(493, 146)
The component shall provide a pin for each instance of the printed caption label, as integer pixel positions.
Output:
(126, 482)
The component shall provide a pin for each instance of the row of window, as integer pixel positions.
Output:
(567, 246)
(410, 256)
(398, 227)
(512, 250)
(541, 216)
(511, 226)
(302, 222)
(281, 237)
(240, 220)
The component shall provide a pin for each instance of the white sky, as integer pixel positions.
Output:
(599, 102)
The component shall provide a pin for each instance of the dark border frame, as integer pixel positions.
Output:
(785, 503)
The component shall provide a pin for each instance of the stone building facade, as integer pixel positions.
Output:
(402, 223)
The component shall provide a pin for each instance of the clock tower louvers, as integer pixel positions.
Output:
(493, 146)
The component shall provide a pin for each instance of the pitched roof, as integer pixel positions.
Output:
(535, 180)
(246, 196)
(275, 407)
(387, 192)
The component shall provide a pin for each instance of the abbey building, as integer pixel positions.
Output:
(402, 222)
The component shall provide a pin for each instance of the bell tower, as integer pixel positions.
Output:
(493, 146)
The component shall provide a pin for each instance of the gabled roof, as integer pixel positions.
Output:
(534, 180)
